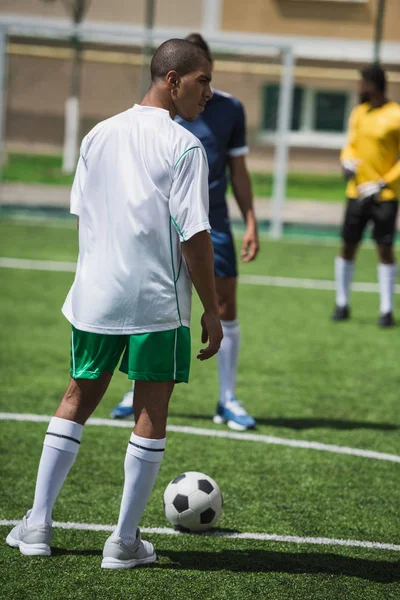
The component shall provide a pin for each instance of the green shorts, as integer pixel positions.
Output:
(157, 356)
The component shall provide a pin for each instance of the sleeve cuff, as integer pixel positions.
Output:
(75, 210)
(242, 151)
(186, 235)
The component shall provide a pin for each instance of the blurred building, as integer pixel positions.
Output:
(331, 39)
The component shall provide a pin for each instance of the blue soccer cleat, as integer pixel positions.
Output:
(124, 409)
(234, 415)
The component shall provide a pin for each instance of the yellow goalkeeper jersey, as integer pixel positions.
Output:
(374, 140)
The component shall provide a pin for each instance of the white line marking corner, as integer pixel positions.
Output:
(267, 537)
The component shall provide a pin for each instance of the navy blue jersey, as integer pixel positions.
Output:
(221, 128)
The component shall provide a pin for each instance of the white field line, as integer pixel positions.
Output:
(37, 265)
(268, 537)
(263, 280)
(242, 437)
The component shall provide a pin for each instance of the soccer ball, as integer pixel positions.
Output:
(192, 502)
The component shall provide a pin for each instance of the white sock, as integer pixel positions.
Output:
(227, 360)
(60, 447)
(142, 463)
(344, 270)
(387, 280)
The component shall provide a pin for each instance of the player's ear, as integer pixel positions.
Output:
(173, 80)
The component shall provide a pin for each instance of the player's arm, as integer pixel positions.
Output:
(348, 156)
(393, 175)
(189, 208)
(241, 182)
(242, 191)
(371, 188)
(199, 257)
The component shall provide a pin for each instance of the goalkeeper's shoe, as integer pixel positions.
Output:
(386, 320)
(119, 555)
(234, 415)
(31, 540)
(341, 313)
(124, 409)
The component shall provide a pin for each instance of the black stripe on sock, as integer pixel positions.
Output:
(144, 448)
(65, 437)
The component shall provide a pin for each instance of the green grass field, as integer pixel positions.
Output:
(304, 378)
(36, 168)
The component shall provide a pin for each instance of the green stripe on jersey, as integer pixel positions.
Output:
(178, 228)
(186, 151)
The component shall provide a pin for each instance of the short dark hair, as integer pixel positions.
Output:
(376, 75)
(176, 55)
(200, 42)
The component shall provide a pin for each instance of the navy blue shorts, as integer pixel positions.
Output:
(224, 254)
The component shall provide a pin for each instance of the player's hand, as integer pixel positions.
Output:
(349, 167)
(250, 246)
(369, 189)
(211, 332)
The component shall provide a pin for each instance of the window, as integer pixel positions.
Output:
(330, 111)
(319, 117)
(271, 99)
(313, 110)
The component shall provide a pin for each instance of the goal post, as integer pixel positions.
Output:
(284, 116)
(226, 44)
(281, 157)
(3, 92)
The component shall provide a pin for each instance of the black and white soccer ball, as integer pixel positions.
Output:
(193, 502)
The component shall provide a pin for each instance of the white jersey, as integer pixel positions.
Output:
(140, 189)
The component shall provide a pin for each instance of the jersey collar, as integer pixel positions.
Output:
(151, 110)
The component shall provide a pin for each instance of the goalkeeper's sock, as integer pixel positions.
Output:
(387, 280)
(344, 270)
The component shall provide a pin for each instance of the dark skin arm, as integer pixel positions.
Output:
(241, 185)
(199, 255)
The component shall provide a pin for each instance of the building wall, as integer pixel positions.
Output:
(39, 71)
(320, 18)
(38, 87)
(169, 13)
(315, 18)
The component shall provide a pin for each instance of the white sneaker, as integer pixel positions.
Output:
(118, 555)
(31, 541)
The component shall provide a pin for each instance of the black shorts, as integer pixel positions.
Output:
(383, 215)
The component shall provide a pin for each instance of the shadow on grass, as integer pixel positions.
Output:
(305, 423)
(263, 561)
(73, 552)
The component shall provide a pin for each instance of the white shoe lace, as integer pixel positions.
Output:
(236, 407)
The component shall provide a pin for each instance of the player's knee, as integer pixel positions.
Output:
(227, 310)
(348, 251)
(151, 407)
(386, 254)
(226, 290)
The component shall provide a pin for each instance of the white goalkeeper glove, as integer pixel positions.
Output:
(370, 189)
(349, 167)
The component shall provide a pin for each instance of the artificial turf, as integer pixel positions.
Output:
(302, 377)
